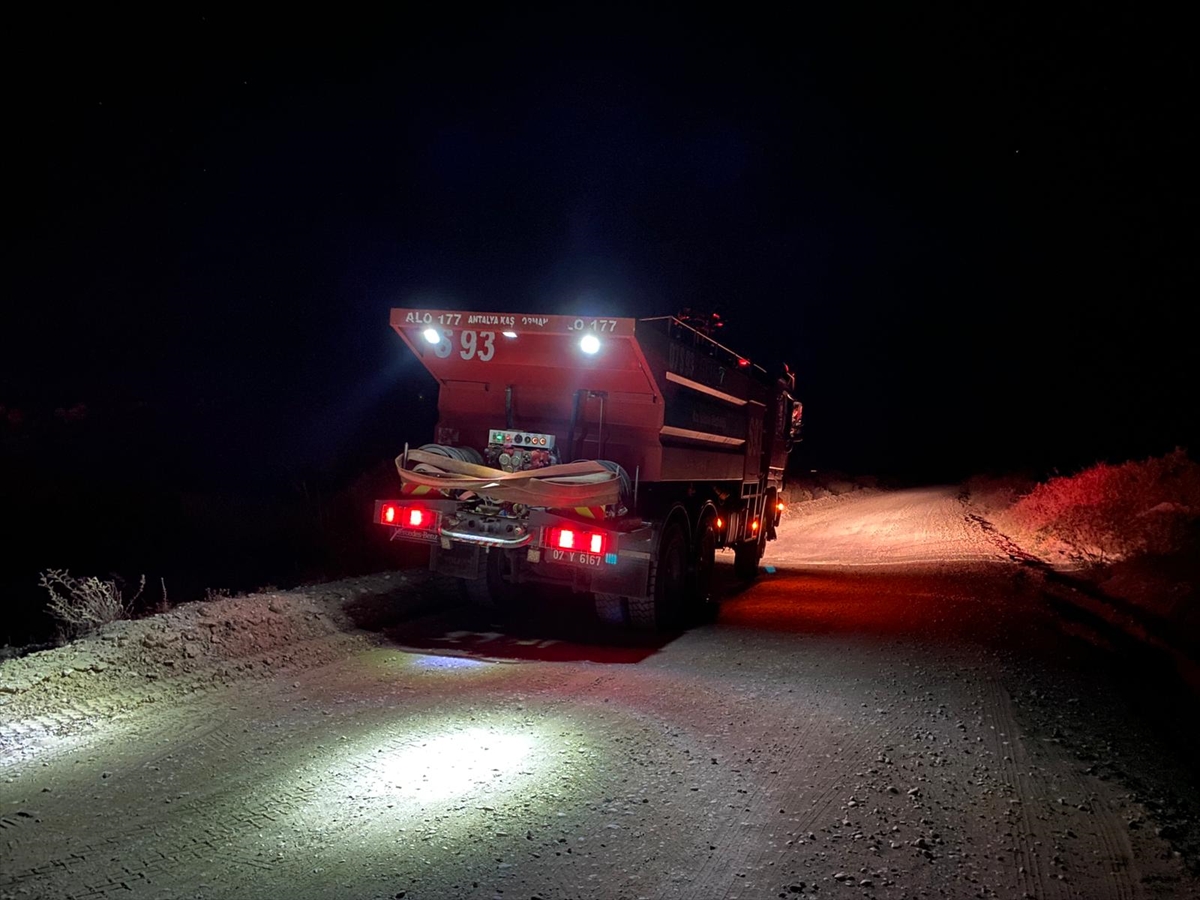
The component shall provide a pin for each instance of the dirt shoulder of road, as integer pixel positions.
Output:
(197, 646)
(1149, 602)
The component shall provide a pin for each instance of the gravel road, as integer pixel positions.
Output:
(898, 710)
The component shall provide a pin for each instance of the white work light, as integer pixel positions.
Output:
(589, 344)
(431, 335)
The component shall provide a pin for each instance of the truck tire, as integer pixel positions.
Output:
(492, 589)
(505, 593)
(474, 591)
(663, 609)
(609, 609)
(745, 559)
(704, 563)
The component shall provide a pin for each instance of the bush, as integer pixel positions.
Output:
(1112, 512)
(82, 605)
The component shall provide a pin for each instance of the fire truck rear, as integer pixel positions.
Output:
(615, 456)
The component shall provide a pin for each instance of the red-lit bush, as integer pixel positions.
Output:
(1113, 512)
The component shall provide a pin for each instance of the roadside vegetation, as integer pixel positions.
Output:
(1108, 513)
(1131, 530)
(81, 606)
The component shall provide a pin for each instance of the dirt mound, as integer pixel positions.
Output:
(820, 485)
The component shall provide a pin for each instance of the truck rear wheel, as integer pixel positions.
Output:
(704, 563)
(609, 608)
(664, 607)
(494, 587)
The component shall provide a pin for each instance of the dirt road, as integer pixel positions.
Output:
(896, 711)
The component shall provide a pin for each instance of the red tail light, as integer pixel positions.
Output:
(406, 516)
(572, 539)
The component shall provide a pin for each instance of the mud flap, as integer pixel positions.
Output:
(460, 561)
(630, 577)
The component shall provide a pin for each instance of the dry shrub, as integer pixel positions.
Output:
(82, 605)
(1113, 512)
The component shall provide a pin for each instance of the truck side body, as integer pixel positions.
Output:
(678, 445)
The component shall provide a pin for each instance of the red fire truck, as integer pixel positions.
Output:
(615, 456)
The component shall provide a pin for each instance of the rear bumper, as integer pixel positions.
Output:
(460, 544)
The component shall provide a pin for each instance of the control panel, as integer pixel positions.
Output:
(515, 451)
(521, 439)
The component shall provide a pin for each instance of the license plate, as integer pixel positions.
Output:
(574, 558)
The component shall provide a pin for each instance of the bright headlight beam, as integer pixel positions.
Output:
(589, 344)
(432, 335)
(454, 764)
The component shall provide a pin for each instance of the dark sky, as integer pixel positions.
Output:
(973, 236)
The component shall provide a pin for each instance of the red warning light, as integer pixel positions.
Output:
(742, 361)
(407, 516)
(570, 539)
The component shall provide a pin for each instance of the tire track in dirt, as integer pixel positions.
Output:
(208, 827)
(144, 853)
(1111, 877)
(1014, 764)
(147, 851)
(736, 849)
(213, 827)
(119, 699)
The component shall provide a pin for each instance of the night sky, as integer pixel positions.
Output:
(974, 238)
